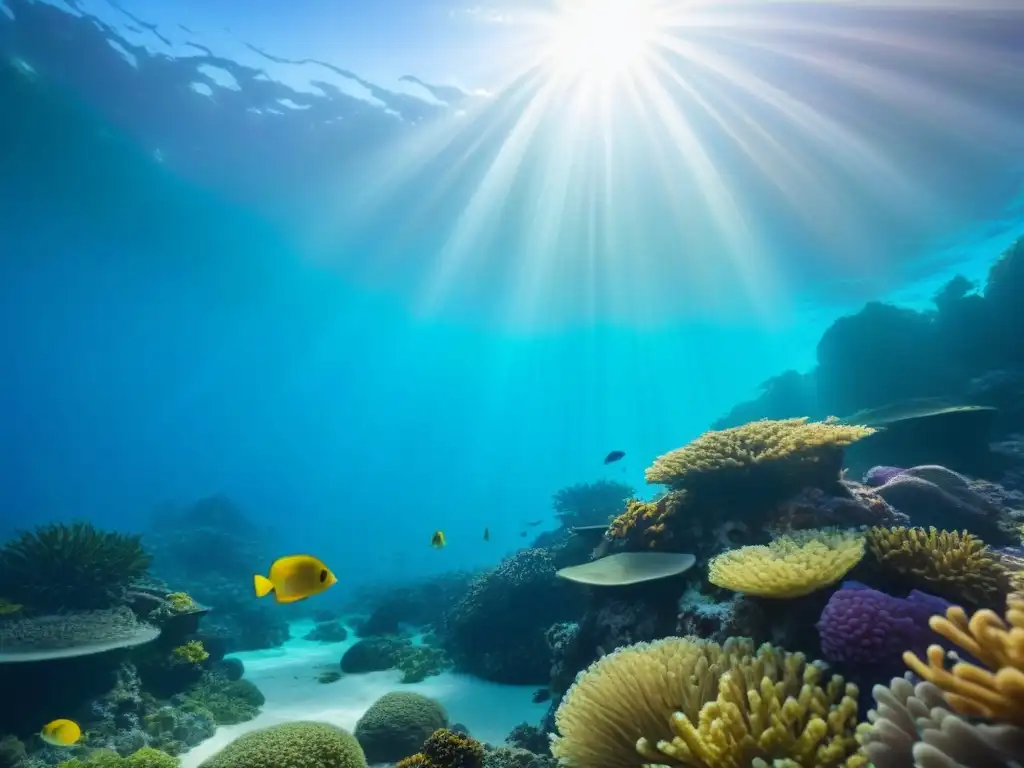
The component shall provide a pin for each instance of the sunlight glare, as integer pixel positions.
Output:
(601, 38)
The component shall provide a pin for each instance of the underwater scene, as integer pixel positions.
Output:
(512, 384)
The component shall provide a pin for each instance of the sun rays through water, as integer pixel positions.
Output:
(651, 157)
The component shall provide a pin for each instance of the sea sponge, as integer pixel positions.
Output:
(792, 446)
(792, 565)
(289, 745)
(953, 564)
(396, 725)
(994, 691)
(695, 703)
(868, 630)
(75, 567)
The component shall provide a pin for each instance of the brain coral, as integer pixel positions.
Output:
(868, 630)
(793, 565)
(290, 745)
(396, 725)
(695, 703)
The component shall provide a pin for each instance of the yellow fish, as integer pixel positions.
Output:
(294, 578)
(437, 540)
(61, 733)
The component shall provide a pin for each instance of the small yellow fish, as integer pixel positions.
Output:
(294, 578)
(487, 534)
(61, 733)
(437, 540)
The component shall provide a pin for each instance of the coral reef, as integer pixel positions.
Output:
(396, 725)
(374, 654)
(290, 745)
(496, 631)
(447, 749)
(586, 504)
(697, 703)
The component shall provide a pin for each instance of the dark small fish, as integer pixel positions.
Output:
(614, 456)
(487, 534)
(534, 523)
(541, 695)
(522, 534)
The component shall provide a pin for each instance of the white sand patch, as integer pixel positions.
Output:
(288, 678)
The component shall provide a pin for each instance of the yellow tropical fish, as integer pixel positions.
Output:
(437, 540)
(61, 733)
(294, 578)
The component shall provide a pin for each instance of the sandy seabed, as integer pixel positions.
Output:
(287, 676)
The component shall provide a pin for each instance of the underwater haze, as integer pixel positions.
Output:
(375, 270)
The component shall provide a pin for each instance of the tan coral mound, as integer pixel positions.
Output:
(793, 565)
(792, 444)
(686, 701)
(994, 691)
(953, 564)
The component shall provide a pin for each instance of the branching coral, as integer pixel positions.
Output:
(790, 446)
(994, 691)
(70, 567)
(955, 565)
(695, 703)
(793, 565)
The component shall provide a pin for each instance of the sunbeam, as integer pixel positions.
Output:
(648, 158)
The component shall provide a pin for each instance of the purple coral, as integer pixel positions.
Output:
(866, 629)
(877, 476)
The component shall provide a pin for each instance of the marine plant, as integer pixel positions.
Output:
(792, 565)
(396, 725)
(447, 749)
(59, 567)
(955, 565)
(768, 454)
(695, 703)
(191, 652)
(291, 745)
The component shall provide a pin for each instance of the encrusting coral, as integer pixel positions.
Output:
(792, 565)
(994, 691)
(696, 703)
(951, 564)
(796, 447)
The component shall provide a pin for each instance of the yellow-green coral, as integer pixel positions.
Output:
(648, 519)
(191, 652)
(291, 745)
(788, 444)
(147, 757)
(8, 608)
(447, 749)
(953, 564)
(181, 602)
(695, 703)
(792, 565)
(994, 691)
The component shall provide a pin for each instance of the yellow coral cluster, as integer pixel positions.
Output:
(994, 691)
(647, 518)
(192, 652)
(789, 442)
(792, 565)
(692, 702)
(953, 564)
(181, 602)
